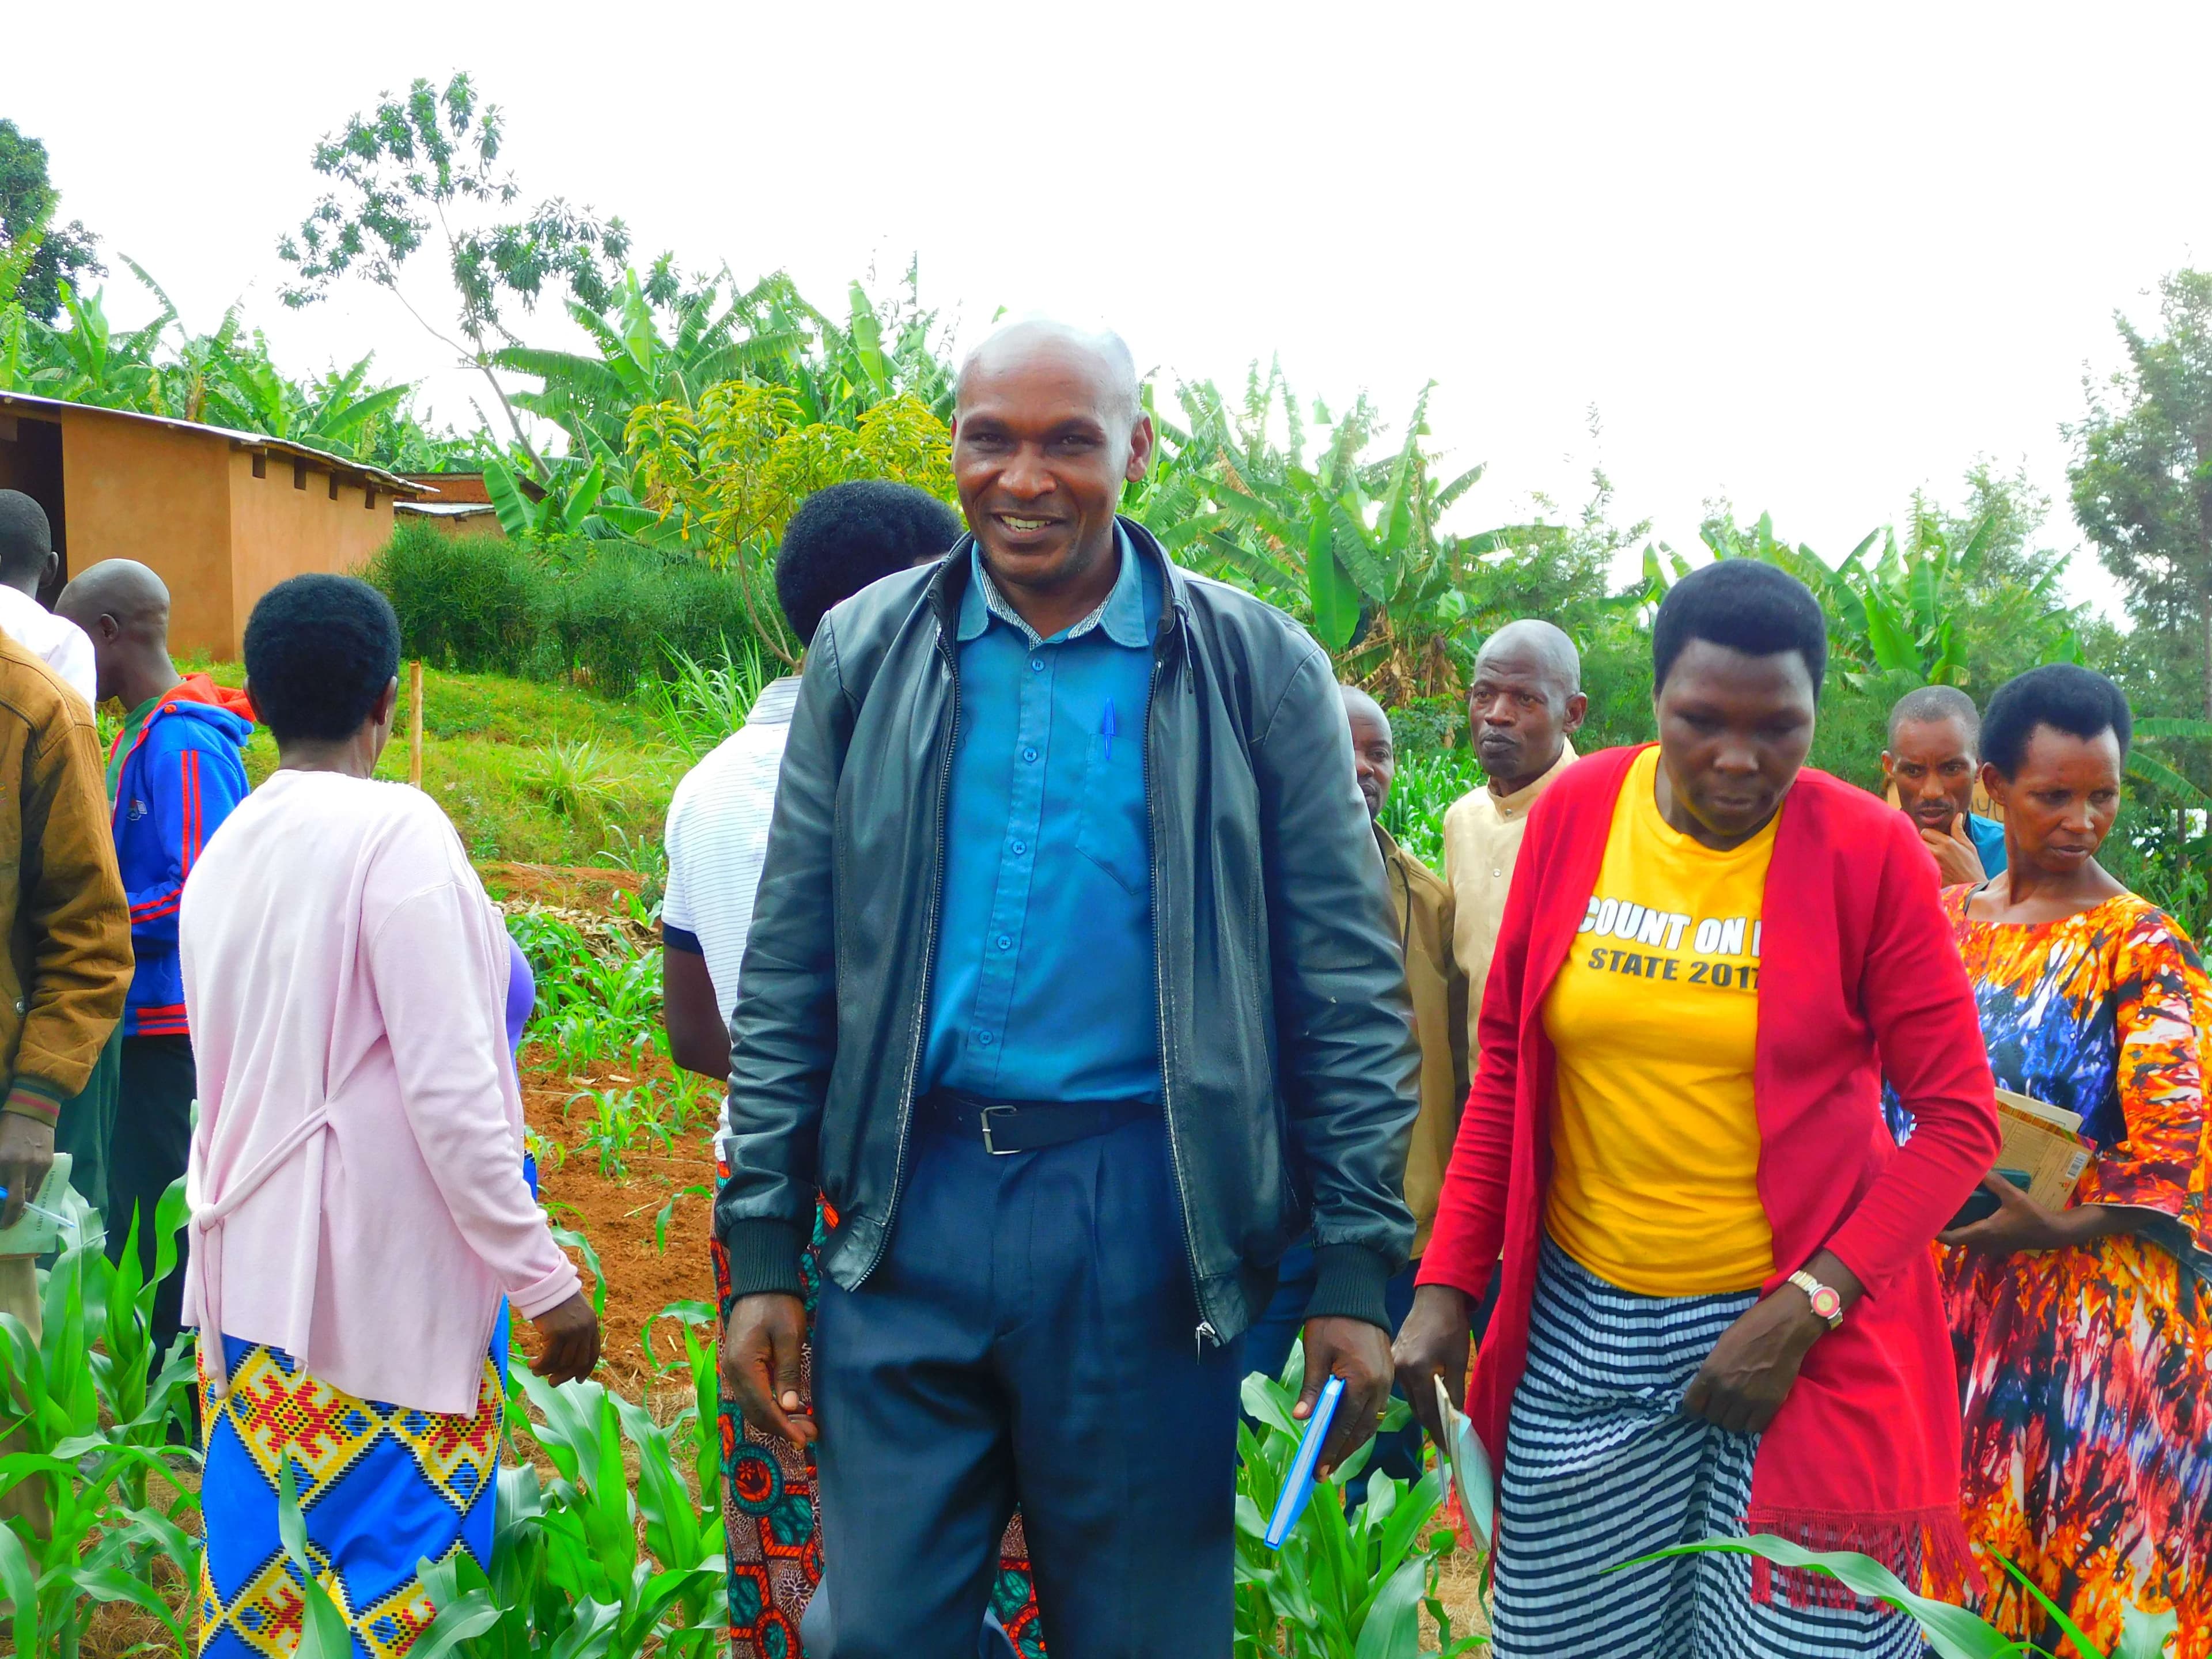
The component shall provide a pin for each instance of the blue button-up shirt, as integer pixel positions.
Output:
(1043, 987)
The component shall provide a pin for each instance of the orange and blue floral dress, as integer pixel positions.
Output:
(2086, 1373)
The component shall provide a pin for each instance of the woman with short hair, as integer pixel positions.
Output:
(1718, 1314)
(2084, 1334)
(359, 1208)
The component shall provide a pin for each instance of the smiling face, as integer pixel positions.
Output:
(1932, 763)
(2059, 806)
(1733, 731)
(1046, 434)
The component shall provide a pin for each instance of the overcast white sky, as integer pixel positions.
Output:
(1805, 258)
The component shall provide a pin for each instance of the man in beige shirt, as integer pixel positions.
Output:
(1526, 701)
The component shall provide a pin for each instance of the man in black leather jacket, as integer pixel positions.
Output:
(1069, 1102)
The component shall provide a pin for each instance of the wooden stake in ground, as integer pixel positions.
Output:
(415, 722)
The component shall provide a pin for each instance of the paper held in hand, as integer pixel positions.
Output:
(2045, 1142)
(45, 1221)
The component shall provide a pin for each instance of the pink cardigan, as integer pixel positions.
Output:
(357, 1172)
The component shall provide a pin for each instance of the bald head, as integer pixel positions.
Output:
(1099, 356)
(1526, 700)
(1540, 645)
(124, 607)
(122, 588)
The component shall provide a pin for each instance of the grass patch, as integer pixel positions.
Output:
(486, 739)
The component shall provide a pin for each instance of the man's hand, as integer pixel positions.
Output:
(570, 1333)
(761, 1354)
(1956, 859)
(2022, 1224)
(1359, 1354)
(1433, 1342)
(26, 1152)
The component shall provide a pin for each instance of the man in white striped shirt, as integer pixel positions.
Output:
(839, 541)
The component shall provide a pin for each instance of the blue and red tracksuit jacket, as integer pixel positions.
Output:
(182, 774)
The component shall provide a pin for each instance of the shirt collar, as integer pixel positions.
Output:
(1517, 804)
(1119, 616)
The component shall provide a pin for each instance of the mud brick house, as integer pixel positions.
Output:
(223, 516)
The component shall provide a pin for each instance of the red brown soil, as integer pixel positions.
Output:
(617, 1213)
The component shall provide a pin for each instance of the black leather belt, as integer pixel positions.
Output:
(1006, 1127)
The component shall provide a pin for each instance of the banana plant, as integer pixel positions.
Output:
(563, 510)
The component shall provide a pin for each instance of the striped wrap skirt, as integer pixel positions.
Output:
(1602, 1467)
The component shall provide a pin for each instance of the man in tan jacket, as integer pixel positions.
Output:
(1526, 702)
(1423, 905)
(68, 963)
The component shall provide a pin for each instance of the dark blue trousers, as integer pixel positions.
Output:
(1030, 1337)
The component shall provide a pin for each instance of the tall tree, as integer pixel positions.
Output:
(2142, 477)
(61, 253)
(425, 165)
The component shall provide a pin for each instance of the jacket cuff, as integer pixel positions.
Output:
(34, 1099)
(764, 1259)
(1348, 1281)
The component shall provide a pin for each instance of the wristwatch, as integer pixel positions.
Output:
(1826, 1302)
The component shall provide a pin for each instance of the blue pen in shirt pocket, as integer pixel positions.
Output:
(1107, 728)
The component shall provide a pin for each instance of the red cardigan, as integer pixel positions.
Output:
(1859, 976)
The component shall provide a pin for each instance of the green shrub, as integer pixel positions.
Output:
(622, 612)
(465, 602)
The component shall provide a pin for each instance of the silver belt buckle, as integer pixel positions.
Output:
(986, 1116)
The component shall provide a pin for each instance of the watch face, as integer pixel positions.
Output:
(1826, 1303)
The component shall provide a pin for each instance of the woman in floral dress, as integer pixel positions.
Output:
(2084, 1335)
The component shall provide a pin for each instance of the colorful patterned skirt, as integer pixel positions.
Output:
(381, 1488)
(2087, 1382)
(774, 1549)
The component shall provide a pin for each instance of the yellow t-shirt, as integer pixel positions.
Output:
(1655, 1142)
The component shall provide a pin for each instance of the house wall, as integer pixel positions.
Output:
(162, 497)
(286, 523)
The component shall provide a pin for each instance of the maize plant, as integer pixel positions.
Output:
(89, 1423)
(1344, 1585)
(1952, 1633)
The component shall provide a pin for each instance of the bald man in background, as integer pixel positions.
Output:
(177, 770)
(1525, 705)
(1073, 984)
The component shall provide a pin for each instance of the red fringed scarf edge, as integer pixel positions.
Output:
(1927, 1549)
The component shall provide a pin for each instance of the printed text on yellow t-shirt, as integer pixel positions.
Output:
(1654, 1019)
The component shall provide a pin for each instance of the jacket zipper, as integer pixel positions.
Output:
(1206, 1332)
(928, 968)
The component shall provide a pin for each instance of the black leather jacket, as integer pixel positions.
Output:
(1286, 1051)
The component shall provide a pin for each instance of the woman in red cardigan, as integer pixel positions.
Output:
(1718, 1313)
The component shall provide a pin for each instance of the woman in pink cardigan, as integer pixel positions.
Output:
(1717, 1313)
(359, 1209)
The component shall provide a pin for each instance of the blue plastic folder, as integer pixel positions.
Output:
(1297, 1489)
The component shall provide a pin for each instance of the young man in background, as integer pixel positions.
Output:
(839, 541)
(176, 771)
(1932, 762)
(28, 563)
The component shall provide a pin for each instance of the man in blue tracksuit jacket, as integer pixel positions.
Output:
(177, 770)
